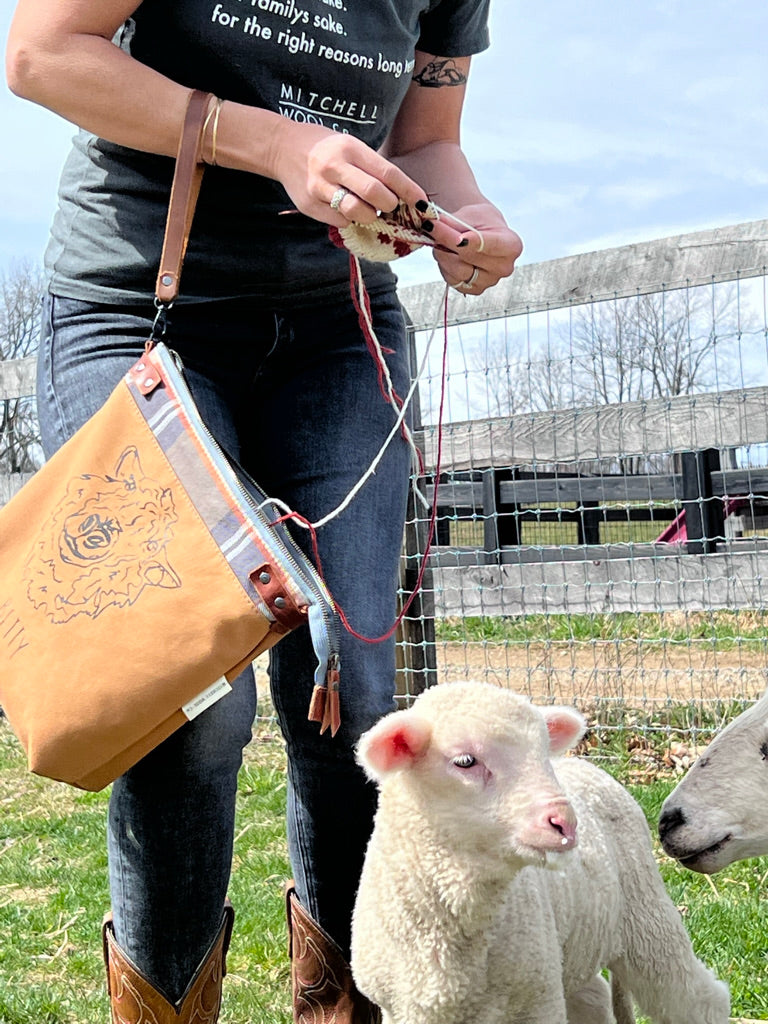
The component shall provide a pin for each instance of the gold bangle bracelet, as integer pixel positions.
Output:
(215, 131)
(213, 115)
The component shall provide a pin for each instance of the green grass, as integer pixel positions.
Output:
(720, 630)
(564, 532)
(53, 892)
(726, 915)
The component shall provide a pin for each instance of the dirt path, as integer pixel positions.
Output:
(628, 670)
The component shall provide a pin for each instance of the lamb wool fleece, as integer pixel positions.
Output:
(465, 910)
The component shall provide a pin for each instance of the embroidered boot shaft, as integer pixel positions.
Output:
(321, 979)
(134, 1000)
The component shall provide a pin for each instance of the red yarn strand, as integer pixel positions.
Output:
(432, 517)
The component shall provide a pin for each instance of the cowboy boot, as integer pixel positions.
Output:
(321, 979)
(134, 1000)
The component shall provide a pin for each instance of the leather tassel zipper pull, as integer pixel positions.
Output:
(318, 702)
(325, 706)
(332, 709)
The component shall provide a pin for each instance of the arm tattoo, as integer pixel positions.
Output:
(440, 72)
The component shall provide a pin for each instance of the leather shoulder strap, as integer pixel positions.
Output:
(187, 179)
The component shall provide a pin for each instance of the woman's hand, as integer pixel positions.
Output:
(313, 163)
(487, 253)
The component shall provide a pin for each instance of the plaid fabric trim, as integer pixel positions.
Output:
(241, 531)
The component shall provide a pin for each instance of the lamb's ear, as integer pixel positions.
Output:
(565, 727)
(397, 741)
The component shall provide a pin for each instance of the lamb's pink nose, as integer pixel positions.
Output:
(566, 826)
(552, 827)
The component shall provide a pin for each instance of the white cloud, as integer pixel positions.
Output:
(30, 163)
(714, 87)
(538, 203)
(639, 193)
(526, 140)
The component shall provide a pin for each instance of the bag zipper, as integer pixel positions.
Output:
(325, 699)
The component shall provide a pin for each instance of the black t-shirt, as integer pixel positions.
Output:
(344, 64)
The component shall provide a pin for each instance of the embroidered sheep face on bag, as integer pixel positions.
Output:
(105, 543)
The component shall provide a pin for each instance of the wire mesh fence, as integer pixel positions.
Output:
(601, 531)
(601, 492)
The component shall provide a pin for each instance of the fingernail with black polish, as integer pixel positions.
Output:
(421, 205)
(462, 243)
(427, 225)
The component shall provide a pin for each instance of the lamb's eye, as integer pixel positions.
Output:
(464, 760)
(764, 751)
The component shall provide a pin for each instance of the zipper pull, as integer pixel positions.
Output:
(332, 715)
(325, 706)
(318, 702)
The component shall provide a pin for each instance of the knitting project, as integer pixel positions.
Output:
(389, 237)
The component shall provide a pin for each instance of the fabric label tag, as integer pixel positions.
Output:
(206, 697)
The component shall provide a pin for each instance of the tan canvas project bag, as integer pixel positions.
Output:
(140, 570)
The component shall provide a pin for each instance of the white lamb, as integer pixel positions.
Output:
(458, 920)
(717, 814)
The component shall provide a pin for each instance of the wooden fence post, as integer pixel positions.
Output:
(501, 522)
(416, 654)
(704, 515)
(589, 520)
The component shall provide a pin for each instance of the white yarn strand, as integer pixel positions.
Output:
(352, 494)
(380, 454)
(469, 227)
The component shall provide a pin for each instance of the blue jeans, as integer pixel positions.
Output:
(293, 395)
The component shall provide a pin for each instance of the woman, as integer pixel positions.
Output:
(328, 112)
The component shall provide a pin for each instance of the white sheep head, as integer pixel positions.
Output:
(718, 814)
(474, 761)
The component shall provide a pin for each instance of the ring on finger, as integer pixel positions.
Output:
(464, 286)
(338, 197)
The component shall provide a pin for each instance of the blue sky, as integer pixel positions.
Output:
(590, 124)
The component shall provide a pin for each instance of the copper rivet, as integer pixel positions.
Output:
(279, 602)
(148, 382)
(140, 367)
(264, 577)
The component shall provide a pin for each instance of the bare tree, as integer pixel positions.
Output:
(501, 378)
(630, 349)
(510, 378)
(21, 286)
(552, 380)
(605, 342)
(657, 345)
(646, 346)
